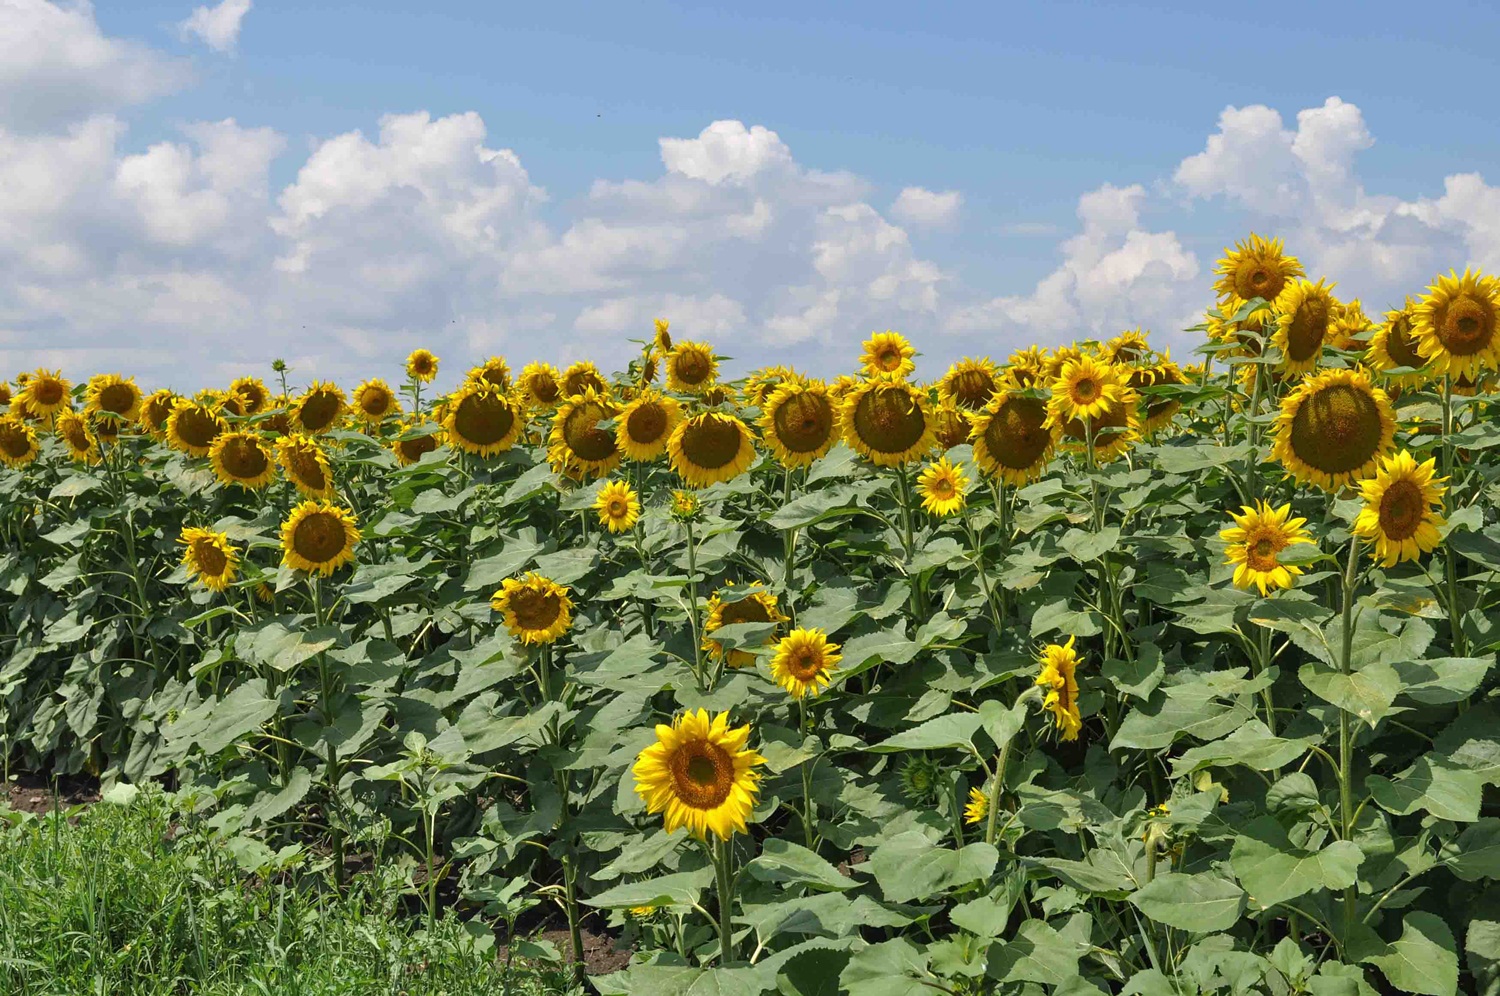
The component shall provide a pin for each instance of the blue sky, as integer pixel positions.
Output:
(1021, 110)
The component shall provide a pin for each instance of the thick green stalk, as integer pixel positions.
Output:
(722, 852)
(1346, 733)
(997, 789)
(692, 552)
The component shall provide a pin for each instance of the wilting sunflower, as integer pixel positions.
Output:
(1345, 330)
(618, 505)
(691, 367)
(242, 458)
(759, 606)
(1085, 388)
(643, 428)
(193, 426)
(155, 411)
(1402, 513)
(576, 443)
(1332, 427)
(539, 382)
(710, 447)
(209, 557)
(978, 806)
(888, 422)
(799, 422)
(374, 401)
(1255, 267)
(581, 377)
(1457, 324)
(46, 393)
(1159, 410)
(1305, 313)
(700, 774)
(1393, 345)
(113, 394)
(73, 430)
(318, 409)
(318, 536)
(1059, 683)
(969, 383)
(1012, 438)
(536, 609)
(1256, 540)
(422, 365)
(253, 394)
(407, 448)
(804, 661)
(483, 421)
(305, 465)
(493, 372)
(942, 487)
(662, 343)
(887, 354)
(18, 445)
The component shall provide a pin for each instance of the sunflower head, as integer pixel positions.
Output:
(541, 385)
(1458, 324)
(978, 807)
(969, 384)
(643, 428)
(888, 422)
(920, 778)
(1393, 345)
(209, 558)
(193, 426)
(493, 373)
(942, 486)
(887, 354)
(374, 401)
(1115, 421)
(618, 506)
(407, 447)
(739, 605)
(1126, 348)
(45, 393)
(761, 384)
(663, 340)
(155, 410)
(709, 448)
(700, 774)
(804, 661)
(685, 506)
(1402, 511)
(305, 465)
(1058, 681)
(1027, 367)
(318, 537)
(113, 394)
(1158, 411)
(1346, 330)
(18, 444)
(576, 444)
(253, 394)
(1255, 267)
(1332, 427)
(799, 422)
(1255, 542)
(242, 458)
(1085, 388)
(278, 416)
(5, 394)
(1305, 315)
(319, 408)
(535, 609)
(1013, 438)
(482, 421)
(691, 367)
(422, 366)
(582, 377)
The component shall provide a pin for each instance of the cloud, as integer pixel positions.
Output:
(217, 27)
(925, 208)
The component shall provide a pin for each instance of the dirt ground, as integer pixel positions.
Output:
(29, 793)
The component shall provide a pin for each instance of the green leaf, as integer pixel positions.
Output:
(1367, 693)
(1203, 903)
(1434, 784)
(679, 889)
(891, 968)
(1475, 853)
(1273, 870)
(1086, 547)
(954, 730)
(910, 866)
(1140, 677)
(1423, 960)
(1252, 745)
(781, 862)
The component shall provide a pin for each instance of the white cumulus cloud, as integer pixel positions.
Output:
(921, 207)
(217, 27)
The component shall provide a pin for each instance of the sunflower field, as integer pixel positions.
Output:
(1084, 672)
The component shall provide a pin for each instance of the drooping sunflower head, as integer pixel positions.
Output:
(18, 444)
(1013, 438)
(799, 422)
(535, 609)
(1059, 683)
(482, 421)
(576, 444)
(539, 382)
(581, 377)
(409, 446)
(1457, 326)
(374, 401)
(942, 486)
(1126, 348)
(950, 425)
(969, 384)
(732, 605)
(46, 393)
(1332, 427)
(253, 394)
(1255, 267)
(1403, 509)
(278, 416)
(305, 465)
(618, 506)
(155, 410)
(920, 779)
(804, 661)
(1305, 314)
(978, 807)
(113, 394)
(1346, 330)
(663, 340)
(709, 448)
(421, 365)
(493, 373)
(318, 537)
(643, 428)
(700, 774)
(73, 430)
(1393, 345)
(318, 409)
(691, 367)
(1027, 367)
(1085, 388)
(888, 422)
(887, 354)
(193, 426)
(1255, 542)
(209, 557)
(242, 458)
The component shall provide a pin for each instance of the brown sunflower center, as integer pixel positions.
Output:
(197, 426)
(583, 438)
(14, 441)
(1337, 429)
(889, 358)
(805, 663)
(1085, 390)
(534, 608)
(319, 537)
(117, 398)
(421, 365)
(543, 388)
(1254, 279)
(972, 388)
(318, 410)
(1261, 548)
(304, 467)
(618, 508)
(375, 402)
(1016, 436)
(413, 449)
(48, 391)
(647, 422)
(1467, 327)
(888, 420)
(1401, 346)
(1304, 338)
(243, 457)
(1401, 509)
(692, 366)
(157, 410)
(942, 488)
(746, 610)
(253, 397)
(803, 422)
(702, 774)
(483, 418)
(710, 442)
(209, 558)
(581, 380)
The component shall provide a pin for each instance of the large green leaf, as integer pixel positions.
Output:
(910, 866)
(1202, 903)
(1423, 960)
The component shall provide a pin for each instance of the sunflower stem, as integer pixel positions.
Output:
(722, 854)
(789, 548)
(984, 581)
(809, 810)
(1346, 733)
(692, 552)
(325, 706)
(907, 542)
(1450, 565)
(997, 788)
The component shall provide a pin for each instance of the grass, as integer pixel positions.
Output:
(124, 901)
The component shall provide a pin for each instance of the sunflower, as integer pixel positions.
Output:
(318, 409)
(761, 384)
(1159, 410)
(758, 606)
(1013, 438)
(691, 367)
(422, 365)
(804, 661)
(1255, 267)
(278, 417)
(318, 536)
(253, 394)
(700, 774)
(942, 486)
(155, 411)
(493, 372)
(209, 557)
(888, 422)
(5, 394)
(887, 354)
(643, 428)
(482, 421)
(1127, 347)
(1402, 510)
(305, 465)
(220, 401)
(46, 393)
(919, 777)
(409, 449)
(977, 808)
(950, 426)
(114, 394)
(663, 341)
(577, 444)
(374, 401)
(242, 458)
(1332, 427)
(1457, 326)
(583, 376)
(193, 426)
(1113, 431)
(1027, 367)
(1305, 313)
(1085, 388)
(1256, 540)
(1059, 663)
(710, 447)
(539, 383)
(969, 383)
(685, 505)
(1346, 329)
(841, 388)
(1059, 358)
(536, 609)
(1393, 345)
(799, 422)
(18, 445)
(83, 445)
(618, 505)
